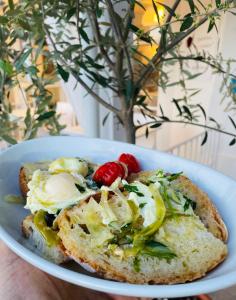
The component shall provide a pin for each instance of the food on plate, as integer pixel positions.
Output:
(44, 238)
(109, 172)
(48, 188)
(128, 225)
(131, 162)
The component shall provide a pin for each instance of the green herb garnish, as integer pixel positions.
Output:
(173, 176)
(189, 203)
(141, 205)
(80, 188)
(90, 171)
(136, 264)
(134, 189)
(157, 249)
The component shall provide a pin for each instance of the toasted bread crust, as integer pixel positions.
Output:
(205, 209)
(108, 272)
(23, 182)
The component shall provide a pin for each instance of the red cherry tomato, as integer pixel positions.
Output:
(109, 172)
(131, 162)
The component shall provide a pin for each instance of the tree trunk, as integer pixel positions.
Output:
(130, 128)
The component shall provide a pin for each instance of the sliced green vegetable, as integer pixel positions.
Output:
(157, 249)
(92, 217)
(108, 215)
(48, 234)
(143, 235)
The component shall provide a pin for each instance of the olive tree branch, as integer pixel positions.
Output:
(75, 74)
(171, 14)
(148, 69)
(129, 19)
(97, 34)
(186, 123)
(167, 22)
(201, 60)
(122, 39)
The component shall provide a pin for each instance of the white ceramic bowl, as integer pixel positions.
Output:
(220, 188)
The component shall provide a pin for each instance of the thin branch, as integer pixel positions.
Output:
(97, 34)
(168, 20)
(147, 71)
(113, 19)
(95, 95)
(187, 123)
(218, 68)
(120, 37)
(129, 20)
(85, 86)
(171, 14)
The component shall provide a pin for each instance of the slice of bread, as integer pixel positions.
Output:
(23, 182)
(54, 253)
(197, 250)
(205, 209)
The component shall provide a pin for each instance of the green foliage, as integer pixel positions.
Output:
(109, 56)
(19, 69)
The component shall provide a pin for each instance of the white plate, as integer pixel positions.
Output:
(220, 188)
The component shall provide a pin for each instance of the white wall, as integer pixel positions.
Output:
(173, 134)
(226, 154)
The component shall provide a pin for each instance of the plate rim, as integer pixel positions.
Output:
(113, 287)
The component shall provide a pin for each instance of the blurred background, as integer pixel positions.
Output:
(86, 117)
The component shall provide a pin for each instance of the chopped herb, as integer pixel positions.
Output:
(188, 203)
(174, 196)
(157, 249)
(91, 184)
(160, 173)
(140, 194)
(141, 205)
(130, 188)
(166, 198)
(126, 226)
(90, 171)
(81, 159)
(134, 189)
(174, 176)
(80, 188)
(136, 264)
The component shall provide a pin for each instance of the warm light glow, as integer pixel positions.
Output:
(150, 18)
(148, 51)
